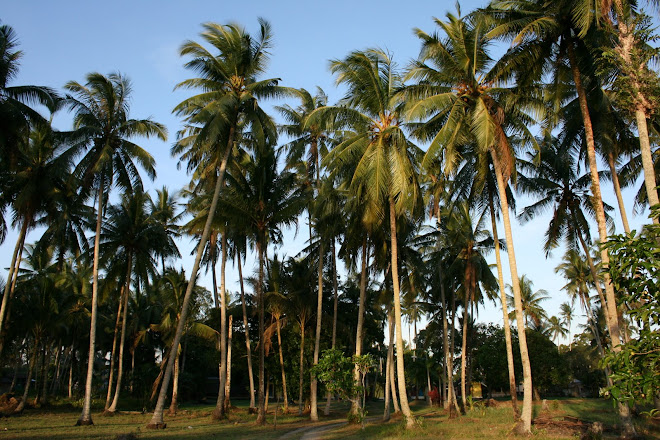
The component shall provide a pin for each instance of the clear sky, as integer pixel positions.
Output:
(64, 40)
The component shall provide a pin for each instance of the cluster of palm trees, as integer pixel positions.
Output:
(357, 171)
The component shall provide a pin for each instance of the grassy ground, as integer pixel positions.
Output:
(194, 422)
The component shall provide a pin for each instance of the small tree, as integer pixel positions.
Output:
(335, 371)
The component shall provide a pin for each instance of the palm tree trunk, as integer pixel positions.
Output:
(505, 316)
(174, 404)
(313, 414)
(464, 353)
(360, 321)
(247, 332)
(219, 411)
(452, 392)
(33, 360)
(445, 337)
(302, 320)
(261, 414)
(8, 284)
(279, 345)
(525, 425)
(617, 191)
(401, 376)
(388, 366)
(86, 416)
(122, 342)
(113, 352)
(647, 157)
(157, 418)
(44, 375)
(228, 383)
(390, 372)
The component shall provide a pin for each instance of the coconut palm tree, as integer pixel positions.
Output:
(531, 301)
(546, 37)
(556, 328)
(461, 100)
(163, 210)
(567, 313)
(385, 176)
(227, 103)
(101, 120)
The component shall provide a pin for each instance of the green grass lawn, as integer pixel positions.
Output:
(57, 421)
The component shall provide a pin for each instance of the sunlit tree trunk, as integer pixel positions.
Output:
(525, 425)
(228, 383)
(33, 360)
(505, 316)
(390, 370)
(388, 366)
(261, 414)
(174, 404)
(113, 352)
(302, 320)
(617, 191)
(335, 292)
(13, 271)
(401, 376)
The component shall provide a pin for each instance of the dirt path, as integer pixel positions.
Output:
(314, 432)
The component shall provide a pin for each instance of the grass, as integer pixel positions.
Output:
(56, 422)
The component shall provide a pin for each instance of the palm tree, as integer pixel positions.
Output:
(386, 172)
(228, 98)
(164, 211)
(567, 313)
(556, 328)
(462, 101)
(102, 121)
(531, 301)
(545, 35)
(43, 163)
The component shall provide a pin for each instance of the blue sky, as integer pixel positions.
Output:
(65, 40)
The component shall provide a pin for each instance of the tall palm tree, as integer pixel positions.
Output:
(385, 176)
(547, 36)
(557, 329)
(462, 101)
(101, 120)
(163, 210)
(229, 93)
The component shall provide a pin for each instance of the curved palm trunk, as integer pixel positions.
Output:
(261, 413)
(617, 191)
(611, 313)
(86, 416)
(525, 424)
(505, 317)
(302, 320)
(8, 285)
(386, 412)
(122, 343)
(401, 377)
(647, 157)
(334, 314)
(219, 411)
(355, 405)
(157, 418)
(228, 383)
(247, 333)
(313, 414)
(445, 339)
(279, 345)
